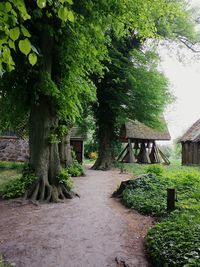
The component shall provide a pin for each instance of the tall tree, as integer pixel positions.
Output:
(52, 47)
(132, 87)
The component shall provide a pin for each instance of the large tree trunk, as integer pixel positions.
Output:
(105, 158)
(44, 154)
(65, 151)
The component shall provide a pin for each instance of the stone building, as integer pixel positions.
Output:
(13, 148)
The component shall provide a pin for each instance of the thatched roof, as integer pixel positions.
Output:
(76, 133)
(192, 134)
(138, 130)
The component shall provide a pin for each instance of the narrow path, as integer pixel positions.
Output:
(84, 232)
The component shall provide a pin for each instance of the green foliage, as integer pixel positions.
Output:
(177, 148)
(11, 165)
(53, 139)
(3, 263)
(175, 240)
(17, 186)
(75, 169)
(89, 148)
(155, 169)
(65, 178)
(148, 193)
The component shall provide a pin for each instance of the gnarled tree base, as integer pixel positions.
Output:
(48, 193)
(103, 164)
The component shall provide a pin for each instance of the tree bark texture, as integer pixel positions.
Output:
(105, 158)
(65, 151)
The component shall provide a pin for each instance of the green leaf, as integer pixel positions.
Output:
(41, 3)
(70, 16)
(63, 13)
(32, 58)
(25, 46)
(11, 44)
(14, 33)
(25, 32)
(70, 2)
(8, 7)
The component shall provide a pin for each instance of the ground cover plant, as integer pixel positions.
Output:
(16, 178)
(16, 185)
(175, 238)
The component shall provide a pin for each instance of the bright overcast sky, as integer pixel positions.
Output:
(185, 85)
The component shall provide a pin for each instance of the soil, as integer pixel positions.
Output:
(94, 230)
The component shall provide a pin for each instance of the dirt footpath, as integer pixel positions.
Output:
(83, 232)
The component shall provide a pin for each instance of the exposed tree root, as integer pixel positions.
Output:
(44, 192)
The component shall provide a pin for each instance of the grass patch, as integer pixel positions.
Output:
(89, 161)
(11, 165)
(138, 169)
(9, 170)
(175, 239)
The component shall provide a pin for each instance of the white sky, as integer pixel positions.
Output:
(185, 85)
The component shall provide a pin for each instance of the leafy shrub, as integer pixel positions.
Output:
(17, 186)
(175, 241)
(89, 148)
(65, 178)
(75, 169)
(156, 169)
(147, 194)
(93, 155)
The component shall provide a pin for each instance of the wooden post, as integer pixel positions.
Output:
(171, 198)
(130, 150)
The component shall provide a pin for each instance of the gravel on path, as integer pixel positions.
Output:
(94, 230)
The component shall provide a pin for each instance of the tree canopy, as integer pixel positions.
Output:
(48, 52)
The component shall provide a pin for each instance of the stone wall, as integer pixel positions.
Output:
(13, 149)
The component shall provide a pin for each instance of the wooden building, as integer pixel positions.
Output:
(77, 143)
(141, 143)
(191, 145)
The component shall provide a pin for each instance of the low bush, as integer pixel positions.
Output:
(147, 194)
(18, 185)
(175, 241)
(156, 169)
(65, 178)
(75, 169)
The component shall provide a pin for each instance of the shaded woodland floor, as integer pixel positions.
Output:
(83, 232)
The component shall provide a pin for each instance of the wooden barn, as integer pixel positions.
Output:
(191, 145)
(141, 143)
